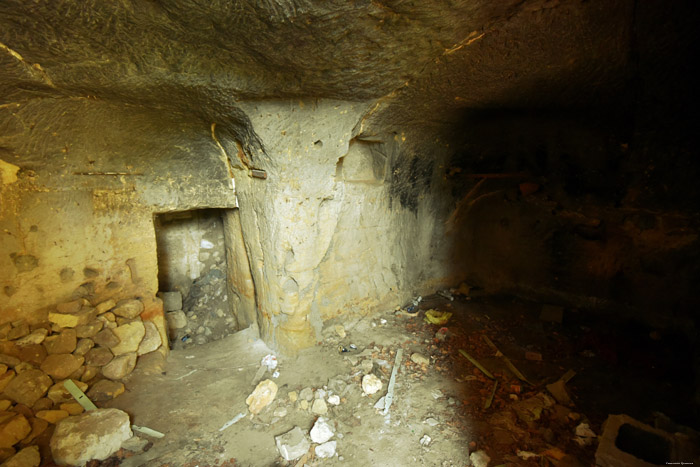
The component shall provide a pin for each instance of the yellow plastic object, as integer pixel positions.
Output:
(437, 317)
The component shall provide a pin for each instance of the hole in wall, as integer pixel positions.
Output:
(193, 276)
(318, 143)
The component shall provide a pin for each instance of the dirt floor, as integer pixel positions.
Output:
(438, 416)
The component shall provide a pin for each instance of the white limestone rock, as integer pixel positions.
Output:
(322, 431)
(293, 444)
(96, 434)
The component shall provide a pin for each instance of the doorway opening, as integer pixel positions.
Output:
(193, 276)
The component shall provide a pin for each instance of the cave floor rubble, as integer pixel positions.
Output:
(444, 409)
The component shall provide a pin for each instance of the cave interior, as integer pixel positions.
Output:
(194, 192)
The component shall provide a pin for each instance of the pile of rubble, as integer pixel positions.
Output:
(94, 346)
(203, 316)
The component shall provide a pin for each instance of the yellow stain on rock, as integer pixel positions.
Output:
(8, 172)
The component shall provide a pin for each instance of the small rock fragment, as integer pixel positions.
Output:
(325, 450)
(371, 384)
(99, 356)
(425, 440)
(106, 338)
(431, 421)
(280, 412)
(479, 459)
(35, 337)
(340, 330)
(105, 306)
(292, 396)
(105, 390)
(322, 431)
(319, 407)
(307, 394)
(293, 444)
(90, 329)
(334, 399)
(83, 346)
(420, 359)
(262, 395)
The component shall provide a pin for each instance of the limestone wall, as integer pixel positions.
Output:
(78, 220)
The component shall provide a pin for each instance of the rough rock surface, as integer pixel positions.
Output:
(130, 336)
(96, 434)
(61, 366)
(262, 395)
(293, 444)
(120, 367)
(26, 457)
(151, 339)
(28, 387)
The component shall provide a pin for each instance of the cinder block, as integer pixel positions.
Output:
(627, 442)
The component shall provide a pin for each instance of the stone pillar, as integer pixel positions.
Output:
(288, 218)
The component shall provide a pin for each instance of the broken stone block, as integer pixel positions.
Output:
(151, 339)
(105, 306)
(120, 367)
(106, 338)
(128, 308)
(64, 342)
(13, 429)
(99, 356)
(626, 441)
(35, 337)
(105, 390)
(27, 457)
(322, 431)
(325, 450)
(61, 366)
(319, 407)
(130, 336)
(28, 387)
(52, 416)
(371, 384)
(89, 329)
(262, 395)
(176, 320)
(96, 434)
(293, 444)
(172, 301)
(58, 392)
(83, 346)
